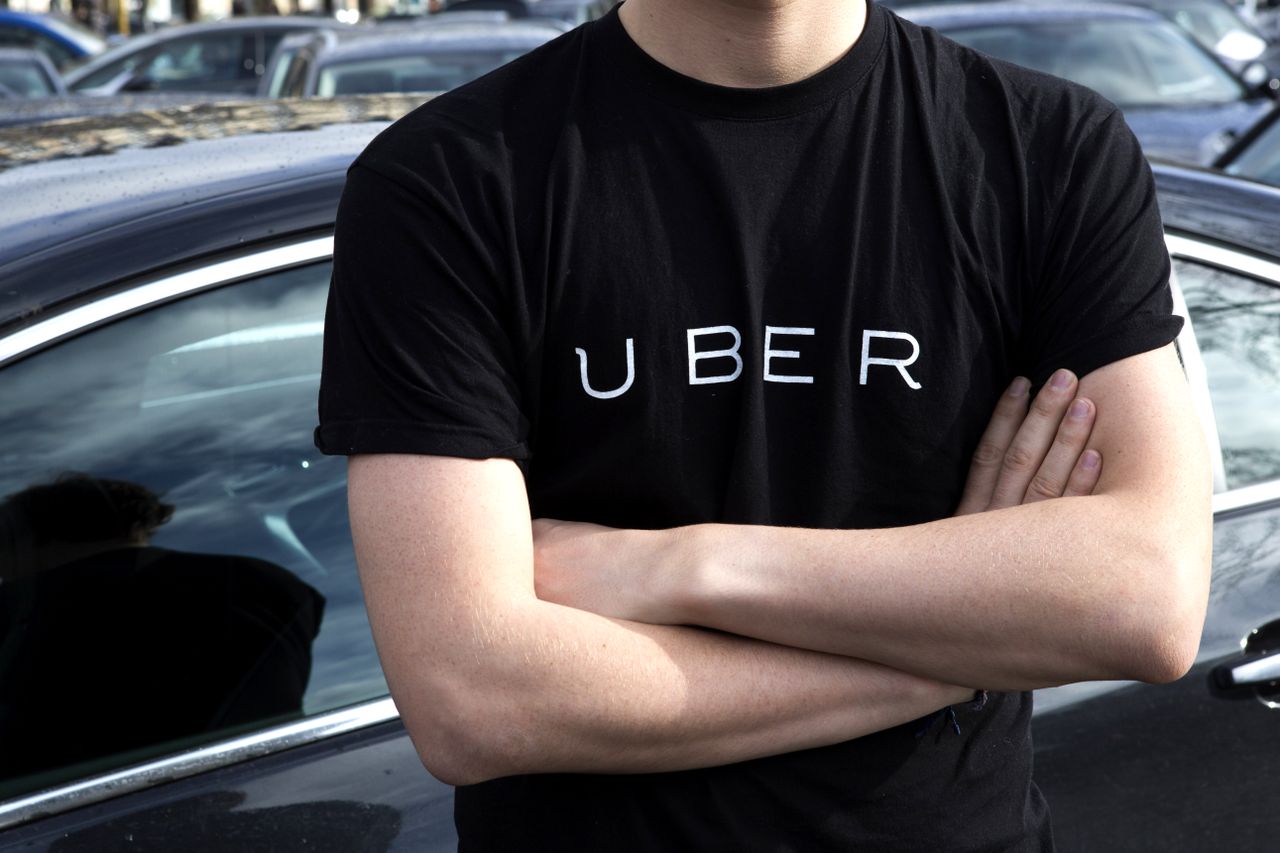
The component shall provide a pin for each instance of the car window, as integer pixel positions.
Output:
(1129, 63)
(436, 72)
(1261, 160)
(192, 63)
(58, 54)
(26, 81)
(175, 561)
(1237, 326)
(112, 70)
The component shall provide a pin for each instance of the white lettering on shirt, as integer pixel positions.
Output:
(695, 356)
(616, 392)
(901, 363)
(770, 353)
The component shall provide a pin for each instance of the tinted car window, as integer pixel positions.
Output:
(1261, 160)
(175, 562)
(212, 62)
(1237, 325)
(59, 55)
(437, 72)
(23, 80)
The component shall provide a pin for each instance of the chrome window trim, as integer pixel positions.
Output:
(1246, 497)
(1221, 256)
(192, 762)
(147, 295)
(1198, 382)
(1233, 260)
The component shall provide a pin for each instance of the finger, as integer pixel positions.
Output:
(1084, 477)
(1031, 445)
(1009, 413)
(1060, 461)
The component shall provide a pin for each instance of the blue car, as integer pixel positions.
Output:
(1181, 101)
(65, 42)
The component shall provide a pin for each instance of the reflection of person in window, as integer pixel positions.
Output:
(109, 644)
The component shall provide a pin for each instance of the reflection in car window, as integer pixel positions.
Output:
(1237, 325)
(170, 527)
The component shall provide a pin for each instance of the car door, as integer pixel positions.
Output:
(177, 584)
(1195, 765)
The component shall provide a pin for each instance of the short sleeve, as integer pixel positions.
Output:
(1102, 292)
(419, 355)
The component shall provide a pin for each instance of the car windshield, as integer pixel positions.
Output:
(1213, 25)
(23, 80)
(1131, 63)
(437, 72)
(1261, 160)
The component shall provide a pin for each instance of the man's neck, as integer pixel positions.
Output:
(745, 43)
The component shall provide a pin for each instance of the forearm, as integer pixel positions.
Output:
(490, 681)
(560, 690)
(1048, 574)
(1024, 597)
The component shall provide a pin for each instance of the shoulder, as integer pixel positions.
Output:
(994, 96)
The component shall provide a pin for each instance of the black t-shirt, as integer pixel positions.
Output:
(675, 302)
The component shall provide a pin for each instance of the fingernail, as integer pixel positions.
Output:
(1020, 387)
(1091, 460)
(1080, 409)
(1061, 379)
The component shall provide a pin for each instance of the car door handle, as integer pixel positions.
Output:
(1248, 672)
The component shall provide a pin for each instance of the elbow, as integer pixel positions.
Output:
(468, 739)
(456, 763)
(1165, 624)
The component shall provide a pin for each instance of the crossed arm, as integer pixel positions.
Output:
(831, 634)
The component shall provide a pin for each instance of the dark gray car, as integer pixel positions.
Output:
(160, 328)
(226, 56)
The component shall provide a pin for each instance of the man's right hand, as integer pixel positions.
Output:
(1036, 453)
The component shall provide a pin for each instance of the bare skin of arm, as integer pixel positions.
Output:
(1011, 593)
(492, 681)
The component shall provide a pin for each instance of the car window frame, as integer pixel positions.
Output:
(140, 296)
(1235, 260)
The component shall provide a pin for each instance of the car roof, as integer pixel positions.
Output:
(411, 40)
(143, 42)
(61, 30)
(982, 14)
(111, 199)
(1230, 210)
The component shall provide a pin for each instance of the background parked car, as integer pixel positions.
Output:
(1215, 24)
(1256, 154)
(226, 56)
(177, 348)
(65, 42)
(430, 57)
(28, 74)
(1181, 102)
(1218, 27)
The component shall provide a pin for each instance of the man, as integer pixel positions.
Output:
(746, 279)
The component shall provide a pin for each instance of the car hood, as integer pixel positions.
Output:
(1193, 134)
